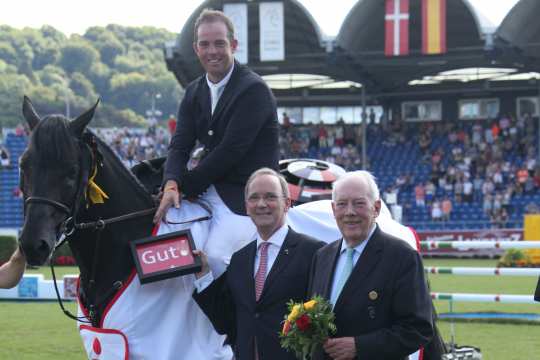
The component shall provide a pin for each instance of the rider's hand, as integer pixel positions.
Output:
(204, 260)
(171, 196)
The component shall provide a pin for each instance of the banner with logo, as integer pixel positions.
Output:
(469, 235)
(238, 15)
(272, 31)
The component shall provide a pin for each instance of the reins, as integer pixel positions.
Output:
(70, 225)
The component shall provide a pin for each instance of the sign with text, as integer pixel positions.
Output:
(469, 235)
(238, 15)
(272, 31)
(165, 256)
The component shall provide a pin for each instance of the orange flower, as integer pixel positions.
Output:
(286, 327)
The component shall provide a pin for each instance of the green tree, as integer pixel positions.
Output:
(78, 55)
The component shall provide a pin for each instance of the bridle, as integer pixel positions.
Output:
(70, 225)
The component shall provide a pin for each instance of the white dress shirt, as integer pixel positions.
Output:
(276, 241)
(217, 89)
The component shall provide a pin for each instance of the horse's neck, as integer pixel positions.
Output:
(114, 262)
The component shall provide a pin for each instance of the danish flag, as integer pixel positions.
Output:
(396, 28)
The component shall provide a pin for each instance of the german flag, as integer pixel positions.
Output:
(433, 26)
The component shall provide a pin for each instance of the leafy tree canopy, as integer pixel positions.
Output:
(124, 66)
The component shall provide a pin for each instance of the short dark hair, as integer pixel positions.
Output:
(272, 172)
(210, 16)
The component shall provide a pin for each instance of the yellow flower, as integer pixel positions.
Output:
(310, 304)
(294, 313)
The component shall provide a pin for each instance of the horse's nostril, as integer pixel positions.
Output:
(42, 248)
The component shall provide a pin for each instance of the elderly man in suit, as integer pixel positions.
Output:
(12, 271)
(248, 302)
(374, 281)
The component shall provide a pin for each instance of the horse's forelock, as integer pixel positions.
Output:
(53, 141)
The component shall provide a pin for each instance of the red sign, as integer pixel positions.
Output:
(165, 254)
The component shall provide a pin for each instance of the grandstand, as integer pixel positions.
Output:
(437, 122)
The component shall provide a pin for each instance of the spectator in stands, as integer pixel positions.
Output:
(446, 208)
(436, 211)
(12, 271)
(468, 189)
(487, 204)
(430, 192)
(420, 194)
(285, 122)
(5, 162)
(522, 176)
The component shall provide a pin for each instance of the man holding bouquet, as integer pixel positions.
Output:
(375, 281)
(249, 300)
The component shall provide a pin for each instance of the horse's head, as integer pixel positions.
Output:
(54, 174)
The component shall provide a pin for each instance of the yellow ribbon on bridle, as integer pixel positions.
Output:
(95, 194)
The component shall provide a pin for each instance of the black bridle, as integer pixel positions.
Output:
(70, 225)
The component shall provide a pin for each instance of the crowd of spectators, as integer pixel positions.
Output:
(481, 162)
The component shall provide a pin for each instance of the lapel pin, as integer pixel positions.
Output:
(373, 295)
(286, 251)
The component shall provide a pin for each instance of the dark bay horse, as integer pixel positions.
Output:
(56, 168)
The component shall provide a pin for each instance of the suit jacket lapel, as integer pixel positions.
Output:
(325, 267)
(365, 264)
(285, 255)
(247, 269)
(204, 98)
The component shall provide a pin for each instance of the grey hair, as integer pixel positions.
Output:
(272, 172)
(364, 176)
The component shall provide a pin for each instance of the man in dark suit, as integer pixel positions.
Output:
(231, 112)
(375, 281)
(248, 301)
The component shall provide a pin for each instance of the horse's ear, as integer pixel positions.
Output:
(78, 125)
(30, 115)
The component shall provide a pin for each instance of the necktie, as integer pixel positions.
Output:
(214, 95)
(347, 269)
(261, 272)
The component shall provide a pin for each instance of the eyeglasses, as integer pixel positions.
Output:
(268, 198)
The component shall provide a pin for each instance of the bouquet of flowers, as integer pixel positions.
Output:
(306, 326)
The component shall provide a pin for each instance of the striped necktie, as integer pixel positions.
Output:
(260, 277)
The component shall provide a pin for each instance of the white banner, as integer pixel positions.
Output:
(238, 15)
(272, 31)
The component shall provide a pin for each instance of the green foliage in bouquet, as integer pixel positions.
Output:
(307, 325)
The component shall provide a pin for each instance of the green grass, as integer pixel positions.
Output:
(497, 341)
(40, 330)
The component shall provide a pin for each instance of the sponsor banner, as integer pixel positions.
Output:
(469, 235)
(396, 19)
(272, 31)
(238, 15)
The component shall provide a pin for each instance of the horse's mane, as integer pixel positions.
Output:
(119, 168)
(53, 141)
